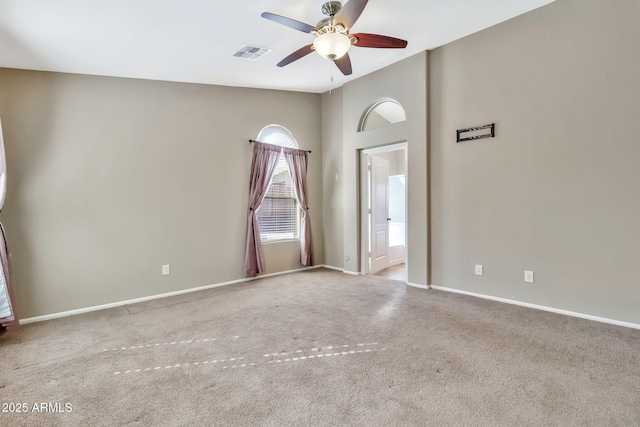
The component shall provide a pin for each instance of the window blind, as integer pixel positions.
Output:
(278, 214)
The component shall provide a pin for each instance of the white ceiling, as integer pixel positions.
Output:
(194, 40)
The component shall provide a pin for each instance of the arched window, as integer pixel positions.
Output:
(279, 215)
(384, 112)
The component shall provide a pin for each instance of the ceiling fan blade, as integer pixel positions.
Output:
(291, 23)
(350, 13)
(344, 64)
(300, 53)
(378, 41)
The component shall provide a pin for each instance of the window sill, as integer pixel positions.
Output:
(272, 242)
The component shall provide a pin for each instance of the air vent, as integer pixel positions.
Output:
(251, 53)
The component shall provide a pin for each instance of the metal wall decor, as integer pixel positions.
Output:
(491, 132)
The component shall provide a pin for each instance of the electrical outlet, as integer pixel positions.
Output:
(165, 270)
(528, 276)
(478, 270)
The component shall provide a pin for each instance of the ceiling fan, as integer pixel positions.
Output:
(332, 34)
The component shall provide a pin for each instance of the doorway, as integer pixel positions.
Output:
(383, 209)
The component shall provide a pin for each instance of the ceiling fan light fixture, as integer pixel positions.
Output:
(331, 45)
(332, 38)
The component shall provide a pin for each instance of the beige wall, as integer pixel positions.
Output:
(111, 178)
(405, 82)
(558, 190)
(333, 173)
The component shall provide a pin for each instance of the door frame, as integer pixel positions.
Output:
(364, 199)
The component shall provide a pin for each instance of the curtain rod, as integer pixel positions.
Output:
(251, 141)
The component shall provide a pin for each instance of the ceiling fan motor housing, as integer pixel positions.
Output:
(331, 8)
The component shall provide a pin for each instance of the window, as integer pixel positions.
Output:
(279, 215)
(383, 113)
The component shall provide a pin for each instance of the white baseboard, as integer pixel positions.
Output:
(352, 273)
(541, 307)
(330, 267)
(154, 297)
(280, 273)
(415, 285)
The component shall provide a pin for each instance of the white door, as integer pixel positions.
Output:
(379, 214)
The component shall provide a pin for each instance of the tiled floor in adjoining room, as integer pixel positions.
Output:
(395, 272)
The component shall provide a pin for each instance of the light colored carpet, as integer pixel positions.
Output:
(322, 348)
